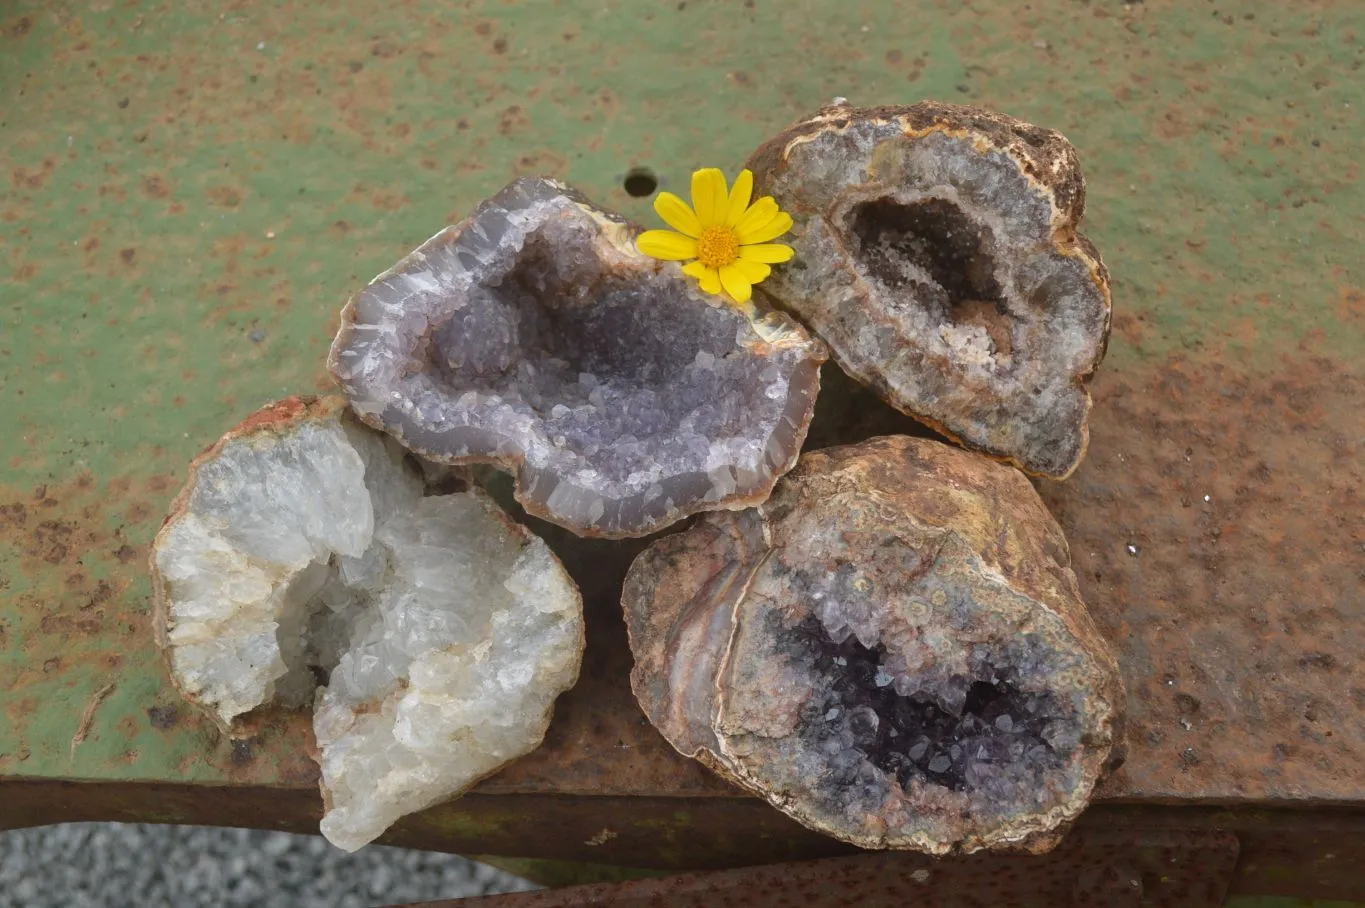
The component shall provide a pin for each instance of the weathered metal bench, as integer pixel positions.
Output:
(187, 198)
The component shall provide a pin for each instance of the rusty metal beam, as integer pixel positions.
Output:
(1311, 853)
(1105, 870)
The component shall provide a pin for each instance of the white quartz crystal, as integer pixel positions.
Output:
(452, 668)
(445, 630)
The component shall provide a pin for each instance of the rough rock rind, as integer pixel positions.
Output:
(892, 650)
(307, 549)
(533, 336)
(937, 255)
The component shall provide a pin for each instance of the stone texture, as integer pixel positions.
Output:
(891, 649)
(937, 255)
(535, 337)
(306, 550)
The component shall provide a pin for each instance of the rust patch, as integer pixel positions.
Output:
(1351, 304)
(380, 198)
(544, 163)
(156, 187)
(163, 718)
(1218, 532)
(103, 592)
(23, 178)
(51, 541)
(224, 197)
(71, 621)
(512, 120)
(66, 624)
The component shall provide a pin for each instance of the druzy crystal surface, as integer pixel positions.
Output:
(891, 649)
(306, 565)
(940, 260)
(979, 733)
(533, 336)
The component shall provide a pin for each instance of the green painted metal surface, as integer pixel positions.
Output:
(189, 192)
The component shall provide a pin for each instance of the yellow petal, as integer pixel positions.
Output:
(772, 253)
(758, 215)
(709, 197)
(740, 194)
(753, 272)
(667, 245)
(735, 284)
(707, 277)
(677, 214)
(780, 224)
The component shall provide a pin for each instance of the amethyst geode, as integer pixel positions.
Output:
(535, 337)
(892, 649)
(937, 254)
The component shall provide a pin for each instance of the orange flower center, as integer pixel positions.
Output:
(717, 247)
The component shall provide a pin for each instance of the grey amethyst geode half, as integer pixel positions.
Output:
(534, 336)
(892, 649)
(937, 255)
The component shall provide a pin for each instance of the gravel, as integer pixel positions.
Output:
(78, 864)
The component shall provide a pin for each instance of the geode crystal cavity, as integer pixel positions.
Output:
(937, 255)
(891, 649)
(305, 550)
(534, 336)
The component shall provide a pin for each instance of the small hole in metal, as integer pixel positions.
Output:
(640, 182)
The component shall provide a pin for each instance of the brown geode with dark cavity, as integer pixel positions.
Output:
(937, 255)
(892, 650)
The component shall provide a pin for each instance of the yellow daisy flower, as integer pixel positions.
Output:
(729, 238)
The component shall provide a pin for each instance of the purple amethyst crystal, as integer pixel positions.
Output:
(534, 336)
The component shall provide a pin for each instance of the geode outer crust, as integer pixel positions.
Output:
(937, 255)
(533, 336)
(892, 650)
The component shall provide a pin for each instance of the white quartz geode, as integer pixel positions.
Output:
(304, 546)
